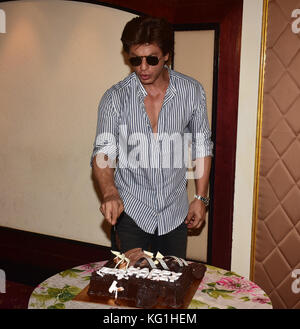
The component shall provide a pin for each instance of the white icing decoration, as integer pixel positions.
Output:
(150, 262)
(115, 289)
(145, 273)
(116, 253)
(162, 263)
(148, 253)
(155, 271)
(178, 261)
(100, 273)
(121, 274)
(184, 262)
(132, 270)
(122, 258)
(158, 259)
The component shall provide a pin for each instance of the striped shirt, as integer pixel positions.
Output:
(150, 171)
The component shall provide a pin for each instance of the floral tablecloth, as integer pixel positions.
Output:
(219, 289)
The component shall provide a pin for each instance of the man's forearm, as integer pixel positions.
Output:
(197, 209)
(111, 203)
(203, 167)
(105, 180)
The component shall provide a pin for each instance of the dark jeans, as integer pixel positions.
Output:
(128, 236)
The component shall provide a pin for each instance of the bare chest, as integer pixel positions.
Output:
(153, 105)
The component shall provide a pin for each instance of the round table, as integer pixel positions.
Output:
(219, 289)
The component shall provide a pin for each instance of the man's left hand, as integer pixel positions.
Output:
(196, 214)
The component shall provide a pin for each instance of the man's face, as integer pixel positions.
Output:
(148, 74)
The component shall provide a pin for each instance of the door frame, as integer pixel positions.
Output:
(216, 28)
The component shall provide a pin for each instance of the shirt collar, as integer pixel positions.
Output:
(141, 90)
(172, 87)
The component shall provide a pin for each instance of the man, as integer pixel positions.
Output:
(144, 198)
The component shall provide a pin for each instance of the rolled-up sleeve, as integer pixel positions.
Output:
(106, 140)
(202, 146)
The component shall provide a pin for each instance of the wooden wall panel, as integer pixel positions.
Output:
(277, 226)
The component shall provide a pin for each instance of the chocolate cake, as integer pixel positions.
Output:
(146, 280)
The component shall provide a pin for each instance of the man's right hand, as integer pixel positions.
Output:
(111, 208)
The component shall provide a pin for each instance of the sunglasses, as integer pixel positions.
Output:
(137, 60)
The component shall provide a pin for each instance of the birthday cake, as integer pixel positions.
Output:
(146, 280)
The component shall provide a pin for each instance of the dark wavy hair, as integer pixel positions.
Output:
(147, 29)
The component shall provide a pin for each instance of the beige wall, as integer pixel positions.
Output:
(194, 56)
(56, 60)
(246, 136)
